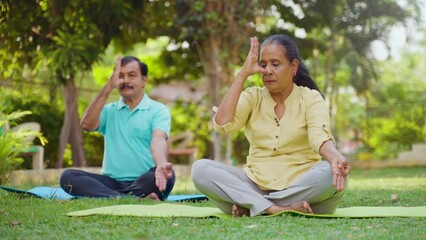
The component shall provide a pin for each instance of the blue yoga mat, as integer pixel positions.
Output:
(60, 194)
(43, 192)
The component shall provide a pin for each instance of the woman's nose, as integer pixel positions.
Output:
(268, 71)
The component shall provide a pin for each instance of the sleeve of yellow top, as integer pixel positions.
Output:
(318, 122)
(241, 115)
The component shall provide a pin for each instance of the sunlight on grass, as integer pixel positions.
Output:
(392, 178)
(388, 183)
(184, 185)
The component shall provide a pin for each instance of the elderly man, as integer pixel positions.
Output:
(135, 130)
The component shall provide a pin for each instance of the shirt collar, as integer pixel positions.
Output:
(144, 104)
(292, 97)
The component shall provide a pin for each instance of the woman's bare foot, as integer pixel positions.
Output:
(302, 206)
(238, 211)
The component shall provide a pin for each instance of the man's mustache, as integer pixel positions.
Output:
(123, 86)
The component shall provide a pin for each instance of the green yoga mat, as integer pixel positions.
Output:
(157, 210)
(180, 210)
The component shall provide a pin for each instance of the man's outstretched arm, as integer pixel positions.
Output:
(159, 150)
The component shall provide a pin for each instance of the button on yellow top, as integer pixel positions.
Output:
(274, 163)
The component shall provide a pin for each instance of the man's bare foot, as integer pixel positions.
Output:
(153, 196)
(238, 211)
(302, 206)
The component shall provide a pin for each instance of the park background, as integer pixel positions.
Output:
(368, 58)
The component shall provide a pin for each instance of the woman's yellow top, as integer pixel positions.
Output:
(280, 149)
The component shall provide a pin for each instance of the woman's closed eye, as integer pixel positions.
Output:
(264, 65)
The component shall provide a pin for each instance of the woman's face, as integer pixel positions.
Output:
(279, 76)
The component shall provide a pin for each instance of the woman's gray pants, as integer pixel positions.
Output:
(226, 185)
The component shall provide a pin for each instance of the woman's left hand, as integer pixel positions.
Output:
(339, 166)
(341, 170)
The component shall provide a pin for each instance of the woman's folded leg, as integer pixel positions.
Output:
(227, 185)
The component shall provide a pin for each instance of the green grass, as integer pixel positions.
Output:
(32, 218)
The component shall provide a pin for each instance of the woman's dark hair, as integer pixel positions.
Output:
(302, 77)
(142, 66)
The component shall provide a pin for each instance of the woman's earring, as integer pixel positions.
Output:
(294, 73)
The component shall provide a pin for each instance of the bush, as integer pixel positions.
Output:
(94, 148)
(12, 143)
(48, 115)
(194, 118)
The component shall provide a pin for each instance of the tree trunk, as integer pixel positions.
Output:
(215, 83)
(219, 54)
(217, 75)
(330, 86)
(71, 131)
(366, 134)
(229, 146)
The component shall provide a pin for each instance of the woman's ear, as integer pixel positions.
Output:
(294, 67)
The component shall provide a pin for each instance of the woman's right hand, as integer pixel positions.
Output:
(228, 107)
(251, 65)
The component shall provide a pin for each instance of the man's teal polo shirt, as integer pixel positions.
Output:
(128, 135)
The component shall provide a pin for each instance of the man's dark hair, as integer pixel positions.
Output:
(142, 66)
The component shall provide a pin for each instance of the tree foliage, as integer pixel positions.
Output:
(67, 37)
(397, 112)
(204, 41)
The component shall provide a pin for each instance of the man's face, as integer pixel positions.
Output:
(131, 81)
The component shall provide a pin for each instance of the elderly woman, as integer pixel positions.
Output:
(293, 163)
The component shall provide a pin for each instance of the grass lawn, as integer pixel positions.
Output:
(32, 218)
